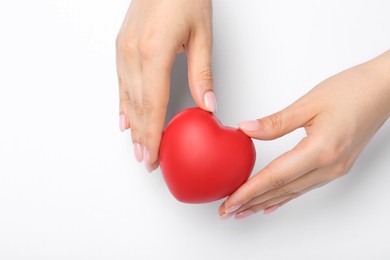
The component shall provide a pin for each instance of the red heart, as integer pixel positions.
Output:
(202, 160)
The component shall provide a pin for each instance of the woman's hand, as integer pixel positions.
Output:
(152, 34)
(340, 116)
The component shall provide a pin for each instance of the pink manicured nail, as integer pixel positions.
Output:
(244, 214)
(249, 126)
(138, 152)
(147, 160)
(232, 209)
(210, 102)
(148, 168)
(146, 155)
(122, 122)
(271, 209)
(226, 216)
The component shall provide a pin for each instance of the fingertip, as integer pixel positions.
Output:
(249, 126)
(200, 73)
(222, 214)
(230, 205)
(271, 209)
(210, 102)
(138, 152)
(244, 214)
(150, 163)
(123, 122)
(146, 156)
(221, 209)
(231, 209)
(151, 167)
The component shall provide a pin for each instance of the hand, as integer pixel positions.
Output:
(152, 34)
(340, 116)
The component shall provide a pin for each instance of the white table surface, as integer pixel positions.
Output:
(70, 187)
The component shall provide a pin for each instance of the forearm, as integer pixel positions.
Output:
(379, 69)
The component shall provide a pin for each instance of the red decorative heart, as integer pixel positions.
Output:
(202, 160)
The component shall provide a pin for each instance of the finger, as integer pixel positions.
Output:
(124, 95)
(223, 214)
(295, 187)
(267, 203)
(278, 124)
(132, 111)
(155, 95)
(152, 167)
(284, 169)
(273, 204)
(130, 91)
(200, 76)
(124, 102)
(273, 208)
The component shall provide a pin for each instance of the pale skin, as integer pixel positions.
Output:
(340, 115)
(152, 34)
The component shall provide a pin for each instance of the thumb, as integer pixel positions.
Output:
(277, 124)
(200, 75)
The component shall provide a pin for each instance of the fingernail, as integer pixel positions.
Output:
(210, 102)
(244, 214)
(148, 165)
(232, 209)
(271, 209)
(147, 160)
(138, 152)
(226, 216)
(249, 126)
(146, 155)
(148, 168)
(122, 122)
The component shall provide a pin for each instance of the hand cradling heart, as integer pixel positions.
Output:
(201, 160)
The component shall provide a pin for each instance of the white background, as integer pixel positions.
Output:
(70, 187)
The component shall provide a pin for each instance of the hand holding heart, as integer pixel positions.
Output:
(152, 34)
(340, 117)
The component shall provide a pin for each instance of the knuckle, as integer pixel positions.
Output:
(138, 108)
(148, 106)
(126, 44)
(332, 150)
(341, 169)
(206, 74)
(296, 194)
(149, 134)
(124, 97)
(281, 192)
(275, 121)
(146, 50)
(276, 181)
(325, 150)
(149, 47)
(328, 154)
(267, 204)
